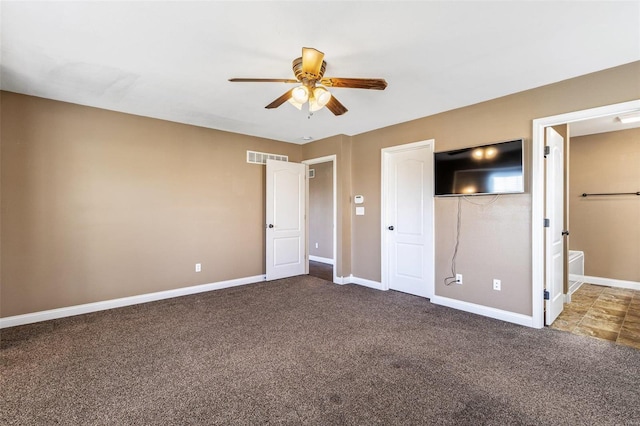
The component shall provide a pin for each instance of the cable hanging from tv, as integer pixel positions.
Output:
(611, 193)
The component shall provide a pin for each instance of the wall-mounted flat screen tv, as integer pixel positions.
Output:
(488, 169)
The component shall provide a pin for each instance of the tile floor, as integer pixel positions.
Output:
(604, 312)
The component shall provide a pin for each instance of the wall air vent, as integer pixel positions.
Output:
(255, 157)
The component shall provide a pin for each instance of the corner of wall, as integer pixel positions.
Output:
(345, 190)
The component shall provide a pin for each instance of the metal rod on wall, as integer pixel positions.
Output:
(613, 193)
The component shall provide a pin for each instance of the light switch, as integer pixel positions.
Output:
(359, 211)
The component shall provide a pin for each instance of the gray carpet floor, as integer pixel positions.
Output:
(305, 351)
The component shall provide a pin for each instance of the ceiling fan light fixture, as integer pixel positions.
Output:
(314, 105)
(321, 95)
(295, 103)
(309, 72)
(300, 94)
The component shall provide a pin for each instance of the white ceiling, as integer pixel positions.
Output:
(609, 123)
(171, 60)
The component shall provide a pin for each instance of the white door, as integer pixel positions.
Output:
(407, 219)
(554, 245)
(286, 201)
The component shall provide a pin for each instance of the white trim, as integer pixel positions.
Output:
(486, 311)
(609, 282)
(321, 259)
(537, 192)
(124, 301)
(366, 283)
(384, 273)
(574, 285)
(341, 280)
(334, 159)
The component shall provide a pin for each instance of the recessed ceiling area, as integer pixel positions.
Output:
(610, 123)
(172, 60)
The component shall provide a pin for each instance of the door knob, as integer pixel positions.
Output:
(270, 225)
(565, 232)
(391, 228)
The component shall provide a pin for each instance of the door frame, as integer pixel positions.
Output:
(538, 193)
(384, 268)
(333, 159)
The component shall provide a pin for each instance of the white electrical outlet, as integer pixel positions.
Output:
(316, 245)
(198, 267)
(497, 284)
(459, 279)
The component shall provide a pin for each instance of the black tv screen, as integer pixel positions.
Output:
(487, 169)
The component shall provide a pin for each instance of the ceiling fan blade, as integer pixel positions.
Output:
(311, 60)
(282, 99)
(262, 80)
(335, 106)
(355, 83)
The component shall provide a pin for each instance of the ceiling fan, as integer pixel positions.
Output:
(309, 71)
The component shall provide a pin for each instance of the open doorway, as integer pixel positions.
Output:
(602, 287)
(539, 192)
(322, 217)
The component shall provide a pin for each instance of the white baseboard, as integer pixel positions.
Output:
(125, 301)
(341, 280)
(610, 282)
(364, 282)
(486, 311)
(574, 285)
(321, 259)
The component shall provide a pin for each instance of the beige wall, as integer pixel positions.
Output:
(99, 205)
(496, 239)
(606, 228)
(321, 210)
